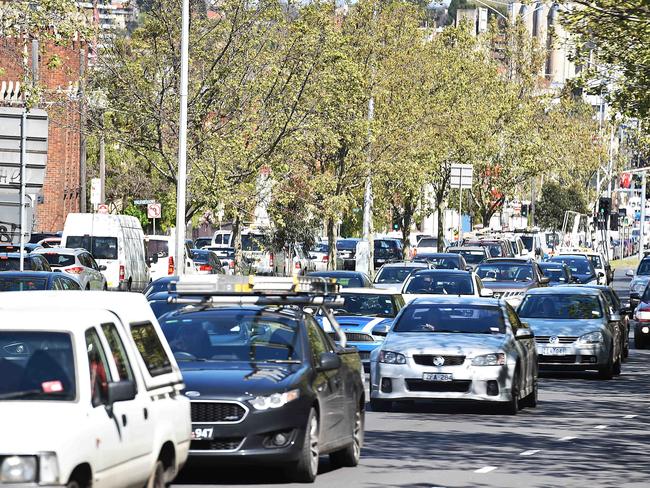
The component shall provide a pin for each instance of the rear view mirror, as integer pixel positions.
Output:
(524, 333)
(121, 391)
(486, 293)
(630, 273)
(102, 267)
(329, 361)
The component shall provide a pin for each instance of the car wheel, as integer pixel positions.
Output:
(73, 484)
(306, 469)
(157, 476)
(607, 371)
(377, 405)
(350, 455)
(617, 367)
(105, 287)
(512, 407)
(531, 399)
(639, 342)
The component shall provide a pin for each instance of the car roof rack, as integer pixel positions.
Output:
(314, 291)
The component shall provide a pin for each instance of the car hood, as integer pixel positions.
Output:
(238, 379)
(23, 424)
(409, 343)
(388, 286)
(562, 327)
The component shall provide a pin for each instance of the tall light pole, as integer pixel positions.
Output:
(181, 178)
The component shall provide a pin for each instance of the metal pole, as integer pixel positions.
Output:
(82, 136)
(642, 223)
(23, 181)
(102, 161)
(460, 207)
(181, 183)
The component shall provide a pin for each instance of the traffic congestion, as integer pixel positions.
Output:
(178, 374)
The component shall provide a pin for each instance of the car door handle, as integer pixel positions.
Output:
(123, 420)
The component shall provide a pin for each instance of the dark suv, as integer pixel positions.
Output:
(511, 278)
(387, 251)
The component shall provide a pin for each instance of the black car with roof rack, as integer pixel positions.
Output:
(266, 384)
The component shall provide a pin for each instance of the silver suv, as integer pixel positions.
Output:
(77, 263)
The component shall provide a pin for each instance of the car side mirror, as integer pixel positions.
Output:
(486, 293)
(634, 295)
(121, 391)
(468, 268)
(544, 280)
(102, 267)
(524, 333)
(329, 361)
(630, 273)
(615, 317)
(601, 274)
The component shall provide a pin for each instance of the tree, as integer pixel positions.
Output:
(558, 198)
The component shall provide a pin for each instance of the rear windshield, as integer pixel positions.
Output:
(59, 260)
(157, 247)
(560, 306)
(222, 239)
(555, 274)
(577, 265)
(254, 242)
(20, 283)
(394, 274)
(440, 262)
(505, 272)
(99, 247)
(428, 242)
(36, 366)
(200, 256)
(367, 305)
(440, 284)
(446, 318)
(471, 257)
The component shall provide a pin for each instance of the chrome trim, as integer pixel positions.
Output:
(199, 451)
(235, 402)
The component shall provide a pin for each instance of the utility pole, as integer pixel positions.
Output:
(82, 135)
(642, 223)
(102, 160)
(181, 178)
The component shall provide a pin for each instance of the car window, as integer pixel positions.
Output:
(317, 342)
(114, 340)
(451, 318)
(72, 284)
(99, 247)
(595, 260)
(561, 306)
(61, 283)
(440, 284)
(513, 318)
(56, 259)
(100, 374)
(150, 348)
(57, 284)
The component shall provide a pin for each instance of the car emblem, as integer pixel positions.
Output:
(192, 394)
(438, 361)
(554, 340)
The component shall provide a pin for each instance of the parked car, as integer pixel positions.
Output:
(347, 279)
(557, 273)
(36, 280)
(77, 263)
(620, 311)
(443, 260)
(424, 283)
(534, 243)
(160, 253)
(206, 262)
(473, 255)
(511, 278)
(456, 348)
(87, 380)
(393, 275)
(581, 268)
(115, 241)
(346, 254)
(574, 329)
(31, 262)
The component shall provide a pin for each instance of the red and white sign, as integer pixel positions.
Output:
(154, 210)
(102, 208)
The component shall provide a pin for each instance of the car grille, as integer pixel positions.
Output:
(457, 386)
(507, 294)
(224, 444)
(207, 412)
(556, 359)
(353, 337)
(562, 340)
(427, 359)
(364, 355)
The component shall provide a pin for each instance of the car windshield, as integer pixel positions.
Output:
(471, 257)
(347, 245)
(157, 247)
(36, 366)
(596, 262)
(367, 305)
(222, 239)
(528, 242)
(59, 260)
(22, 283)
(440, 284)
(254, 242)
(99, 247)
(161, 306)
(440, 262)
(505, 272)
(200, 256)
(560, 306)
(232, 335)
(555, 274)
(394, 274)
(448, 318)
(346, 281)
(428, 242)
(644, 267)
(577, 264)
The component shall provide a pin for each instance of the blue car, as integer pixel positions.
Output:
(366, 318)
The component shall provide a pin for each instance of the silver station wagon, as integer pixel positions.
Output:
(456, 349)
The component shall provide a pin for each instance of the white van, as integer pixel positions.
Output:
(222, 238)
(90, 392)
(115, 241)
(160, 254)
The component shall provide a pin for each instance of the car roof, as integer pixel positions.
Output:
(569, 256)
(438, 254)
(440, 271)
(51, 319)
(578, 253)
(564, 290)
(455, 300)
(508, 260)
(15, 255)
(52, 250)
(405, 264)
(370, 291)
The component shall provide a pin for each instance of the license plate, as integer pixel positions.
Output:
(555, 351)
(202, 433)
(437, 377)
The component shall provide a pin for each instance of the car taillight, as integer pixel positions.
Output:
(79, 270)
(122, 272)
(643, 313)
(205, 267)
(170, 266)
(271, 259)
(325, 259)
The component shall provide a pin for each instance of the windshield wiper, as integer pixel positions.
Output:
(281, 361)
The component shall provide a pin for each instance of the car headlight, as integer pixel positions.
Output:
(18, 469)
(390, 357)
(638, 287)
(496, 359)
(591, 338)
(48, 468)
(276, 400)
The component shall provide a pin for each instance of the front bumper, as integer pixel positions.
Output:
(470, 383)
(572, 357)
(641, 329)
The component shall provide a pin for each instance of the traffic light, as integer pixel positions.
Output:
(614, 221)
(604, 207)
(524, 210)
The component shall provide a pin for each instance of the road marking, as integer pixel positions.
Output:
(567, 438)
(630, 416)
(530, 452)
(485, 469)
(600, 427)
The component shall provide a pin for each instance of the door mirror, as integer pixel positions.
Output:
(329, 361)
(630, 273)
(486, 293)
(615, 317)
(544, 280)
(121, 391)
(635, 295)
(601, 274)
(524, 333)
(102, 267)
(468, 268)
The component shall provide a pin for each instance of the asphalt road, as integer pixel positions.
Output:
(584, 433)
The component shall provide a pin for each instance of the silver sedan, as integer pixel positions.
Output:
(455, 349)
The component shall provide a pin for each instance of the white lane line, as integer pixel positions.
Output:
(630, 416)
(600, 427)
(485, 469)
(529, 453)
(567, 438)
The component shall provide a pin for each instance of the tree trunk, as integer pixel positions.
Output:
(406, 222)
(236, 243)
(331, 242)
(441, 220)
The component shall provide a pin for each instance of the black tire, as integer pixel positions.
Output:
(639, 342)
(349, 456)
(157, 476)
(88, 287)
(607, 371)
(105, 287)
(377, 405)
(531, 400)
(617, 367)
(512, 407)
(73, 484)
(306, 469)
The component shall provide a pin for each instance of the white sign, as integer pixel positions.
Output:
(154, 210)
(102, 208)
(143, 202)
(10, 218)
(95, 191)
(461, 176)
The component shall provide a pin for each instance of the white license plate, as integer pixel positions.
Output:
(555, 351)
(202, 433)
(437, 377)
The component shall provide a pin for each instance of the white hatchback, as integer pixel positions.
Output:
(77, 263)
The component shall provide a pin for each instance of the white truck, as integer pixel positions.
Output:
(90, 393)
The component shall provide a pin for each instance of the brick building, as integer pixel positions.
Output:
(61, 191)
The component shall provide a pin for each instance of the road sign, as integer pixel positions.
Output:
(143, 202)
(461, 176)
(95, 191)
(10, 217)
(102, 208)
(154, 210)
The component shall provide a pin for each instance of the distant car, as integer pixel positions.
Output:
(498, 248)
(456, 349)
(386, 251)
(227, 257)
(32, 262)
(557, 273)
(581, 268)
(533, 243)
(393, 275)
(511, 278)
(429, 245)
(604, 272)
(319, 255)
(621, 311)
(161, 256)
(36, 237)
(443, 282)
(473, 255)
(36, 280)
(640, 280)
(347, 279)
(77, 263)
(206, 262)
(159, 285)
(574, 329)
(443, 260)
(346, 252)
(50, 242)
(202, 242)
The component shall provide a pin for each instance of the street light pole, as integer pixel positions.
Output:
(181, 179)
(642, 223)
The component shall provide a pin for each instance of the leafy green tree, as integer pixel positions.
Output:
(556, 199)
